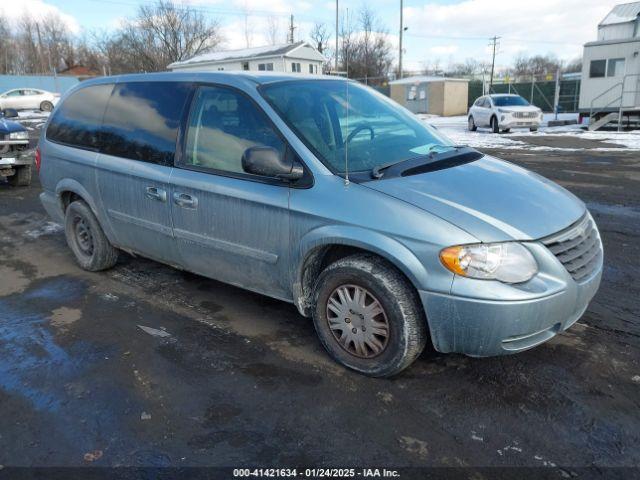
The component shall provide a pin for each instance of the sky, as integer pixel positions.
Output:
(438, 31)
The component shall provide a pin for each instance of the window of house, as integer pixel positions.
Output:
(311, 68)
(296, 67)
(223, 124)
(597, 68)
(142, 119)
(245, 65)
(615, 67)
(265, 66)
(220, 68)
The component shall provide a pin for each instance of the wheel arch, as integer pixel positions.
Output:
(326, 245)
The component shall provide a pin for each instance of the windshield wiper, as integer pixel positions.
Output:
(376, 172)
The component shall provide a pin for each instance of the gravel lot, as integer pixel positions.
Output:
(223, 377)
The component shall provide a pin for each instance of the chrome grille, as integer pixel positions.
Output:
(525, 114)
(578, 248)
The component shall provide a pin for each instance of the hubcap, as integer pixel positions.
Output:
(357, 321)
(84, 237)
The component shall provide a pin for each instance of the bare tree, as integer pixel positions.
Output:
(320, 36)
(366, 51)
(273, 33)
(159, 35)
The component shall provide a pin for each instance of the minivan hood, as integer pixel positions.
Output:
(491, 199)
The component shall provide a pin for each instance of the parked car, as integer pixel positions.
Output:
(15, 156)
(326, 194)
(502, 112)
(29, 99)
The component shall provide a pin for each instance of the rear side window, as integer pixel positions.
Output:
(142, 120)
(77, 121)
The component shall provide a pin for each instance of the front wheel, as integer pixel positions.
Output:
(368, 316)
(472, 124)
(533, 129)
(495, 128)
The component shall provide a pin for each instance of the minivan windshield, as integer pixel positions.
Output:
(510, 101)
(337, 119)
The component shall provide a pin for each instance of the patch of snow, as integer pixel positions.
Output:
(49, 228)
(154, 331)
(455, 128)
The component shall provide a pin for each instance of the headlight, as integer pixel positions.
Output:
(19, 136)
(502, 110)
(507, 262)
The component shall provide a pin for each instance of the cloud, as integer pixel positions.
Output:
(37, 9)
(563, 25)
(444, 49)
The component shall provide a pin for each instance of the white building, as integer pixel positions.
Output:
(611, 67)
(299, 57)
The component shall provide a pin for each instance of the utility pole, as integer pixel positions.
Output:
(494, 44)
(336, 59)
(291, 30)
(400, 50)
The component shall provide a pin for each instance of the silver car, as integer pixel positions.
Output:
(29, 99)
(321, 192)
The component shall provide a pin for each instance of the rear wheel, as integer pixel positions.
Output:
(495, 128)
(22, 177)
(368, 316)
(506, 130)
(533, 129)
(46, 106)
(472, 124)
(86, 239)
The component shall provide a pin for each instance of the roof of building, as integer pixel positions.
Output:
(425, 79)
(245, 53)
(626, 12)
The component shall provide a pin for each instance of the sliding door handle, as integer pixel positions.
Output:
(155, 193)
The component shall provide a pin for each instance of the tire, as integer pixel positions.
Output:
(533, 129)
(506, 130)
(401, 312)
(46, 106)
(22, 177)
(472, 124)
(87, 241)
(495, 128)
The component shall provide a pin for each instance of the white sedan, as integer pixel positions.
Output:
(29, 99)
(502, 112)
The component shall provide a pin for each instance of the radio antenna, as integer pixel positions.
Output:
(346, 142)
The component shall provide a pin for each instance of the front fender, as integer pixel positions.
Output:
(392, 250)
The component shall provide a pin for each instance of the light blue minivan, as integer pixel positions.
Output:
(324, 193)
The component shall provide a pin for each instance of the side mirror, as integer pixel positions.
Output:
(268, 162)
(10, 113)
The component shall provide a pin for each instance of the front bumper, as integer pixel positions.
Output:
(12, 159)
(483, 327)
(510, 122)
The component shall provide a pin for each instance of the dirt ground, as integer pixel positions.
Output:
(224, 377)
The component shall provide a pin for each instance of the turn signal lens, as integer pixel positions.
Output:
(508, 262)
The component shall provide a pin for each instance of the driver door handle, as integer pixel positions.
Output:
(185, 200)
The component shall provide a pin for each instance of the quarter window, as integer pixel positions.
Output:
(77, 121)
(142, 119)
(597, 68)
(222, 125)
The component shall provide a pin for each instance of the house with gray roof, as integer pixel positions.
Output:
(299, 57)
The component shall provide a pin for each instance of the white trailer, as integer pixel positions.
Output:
(610, 87)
